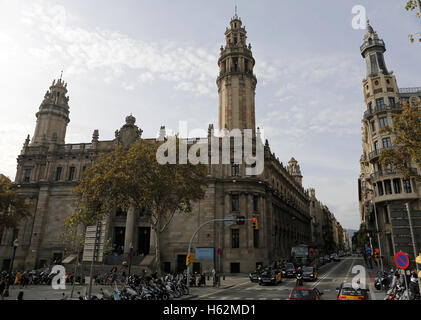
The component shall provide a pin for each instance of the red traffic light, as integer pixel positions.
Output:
(377, 251)
(254, 220)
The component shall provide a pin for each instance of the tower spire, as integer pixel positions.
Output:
(236, 81)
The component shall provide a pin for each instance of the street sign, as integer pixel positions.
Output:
(230, 222)
(94, 243)
(418, 260)
(219, 251)
(401, 260)
(368, 250)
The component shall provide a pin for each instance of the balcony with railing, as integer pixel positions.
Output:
(381, 174)
(376, 153)
(383, 108)
(372, 43)
(410, 90)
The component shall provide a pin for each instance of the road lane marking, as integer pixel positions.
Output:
(328, 273)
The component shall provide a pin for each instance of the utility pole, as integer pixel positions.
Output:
(414, 246)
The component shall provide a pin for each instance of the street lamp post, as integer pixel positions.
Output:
(15, 246)
(377, 228)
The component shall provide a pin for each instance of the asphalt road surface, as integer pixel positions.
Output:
(331, 275)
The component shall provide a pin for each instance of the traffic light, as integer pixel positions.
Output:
(255, 224)
(190, 259)
(241, 220)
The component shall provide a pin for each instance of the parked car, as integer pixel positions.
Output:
(327, 258)
(347, 292)
(310, 274)
(270, 276)
(305, 293)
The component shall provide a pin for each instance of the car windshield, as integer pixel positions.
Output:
(268, 274)
(289, 266)
(302, 294)
(309, 269)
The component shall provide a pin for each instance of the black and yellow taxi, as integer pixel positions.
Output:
(347, 292)
(270, 276)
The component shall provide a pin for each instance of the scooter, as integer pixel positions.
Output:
(299, 280)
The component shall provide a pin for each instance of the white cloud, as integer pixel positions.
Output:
(114, 53)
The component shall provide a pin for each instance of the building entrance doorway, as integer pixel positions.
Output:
(144, 243)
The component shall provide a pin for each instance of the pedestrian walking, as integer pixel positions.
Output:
(214, 276)
(64, 298)
(18, 280)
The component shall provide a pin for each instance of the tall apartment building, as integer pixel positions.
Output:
(383, 191)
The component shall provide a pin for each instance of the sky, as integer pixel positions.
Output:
(158, 59)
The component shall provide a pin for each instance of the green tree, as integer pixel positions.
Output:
(412, 5)
(134, 179)
(13, 207)
(360, 238)
(407, 144)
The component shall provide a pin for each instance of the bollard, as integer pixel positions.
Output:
(223, 277)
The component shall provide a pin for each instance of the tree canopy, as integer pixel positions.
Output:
(407, 144)
(13, 207)
(412, 5)
(133, 178)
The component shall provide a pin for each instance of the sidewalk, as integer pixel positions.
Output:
(229, 282)
(371, 275)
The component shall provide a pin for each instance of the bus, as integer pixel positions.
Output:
(305, 255)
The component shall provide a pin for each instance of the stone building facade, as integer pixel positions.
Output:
(383, 192)
(49, 169)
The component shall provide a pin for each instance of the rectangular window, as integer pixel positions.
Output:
(27, 175)
(383, 122)
(407, 186)
(72, 173)
(256, 239)
(235, 170)
(388, 187)
(380, 188)
(387, 143)
(386, 215)
(58, 173)
(397, 185)
(235, 203)
(235, 238)
(235, 267)
(256, 203)
(373, 126)
(376, 145)
(370, 107)
(380, 104)
(390, 242)
(392, 101)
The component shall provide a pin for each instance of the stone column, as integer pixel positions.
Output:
(130, 225)
(38, 228)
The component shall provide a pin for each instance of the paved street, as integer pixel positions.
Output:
(330, 277)
(238, 287)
